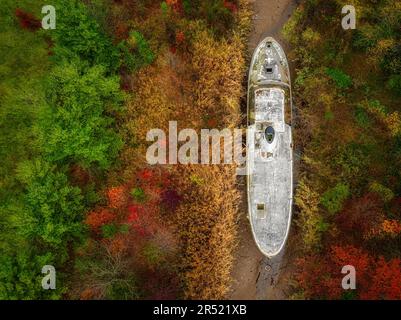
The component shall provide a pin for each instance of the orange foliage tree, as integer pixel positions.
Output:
(96, 219)
(117, 197)
(385, 282)
(320, 275)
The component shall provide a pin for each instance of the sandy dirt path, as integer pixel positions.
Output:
(254, 276)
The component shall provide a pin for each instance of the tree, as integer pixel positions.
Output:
(310, 221)
(21, 277)
(320, 275)
(78, 34)
(385, 282)
(107, 274)
(333, 199)
(76, 127)
(361, 215)
(52, 208)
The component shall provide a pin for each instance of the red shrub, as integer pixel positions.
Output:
(142, 219)
(230, 6)
(145, 175)
(170, 199)
(385, 282)
(96, 219)
(117, 197)
(153, 179)
(176, 5)
(27, 20)
(134, 211)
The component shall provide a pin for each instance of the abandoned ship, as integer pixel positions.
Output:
(269, 147)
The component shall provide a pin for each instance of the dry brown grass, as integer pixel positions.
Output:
(219, 67)
(206, 220)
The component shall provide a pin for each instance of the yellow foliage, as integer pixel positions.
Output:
(375, 54)
(206, 222)
(385, 193)
(311, 36)
(289, 30)
(219, 69)
(393, 123)
(244, 19)
(307, 200)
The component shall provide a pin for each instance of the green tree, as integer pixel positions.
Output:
(21, 277)
(77, 125)
(394, 83)
(79, 34)
(52, 208)
(334, 198)
(136, 52)
(342, 80)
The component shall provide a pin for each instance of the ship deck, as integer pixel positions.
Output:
(270, 183)
(269, 148)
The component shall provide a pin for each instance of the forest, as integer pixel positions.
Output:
(77, 193)
(347, 93)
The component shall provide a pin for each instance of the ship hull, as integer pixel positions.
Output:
(269, 148)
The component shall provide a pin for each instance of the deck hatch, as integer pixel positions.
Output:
(261, 210)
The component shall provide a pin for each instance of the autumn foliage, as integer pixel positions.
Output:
(176, 5)
(116, 197)
(174, 227)
(376, 278)
(98, 218)
(364, 215)
(27, 20)
(385, 281)
(129, 235)
(347, 130)
(206, 220)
